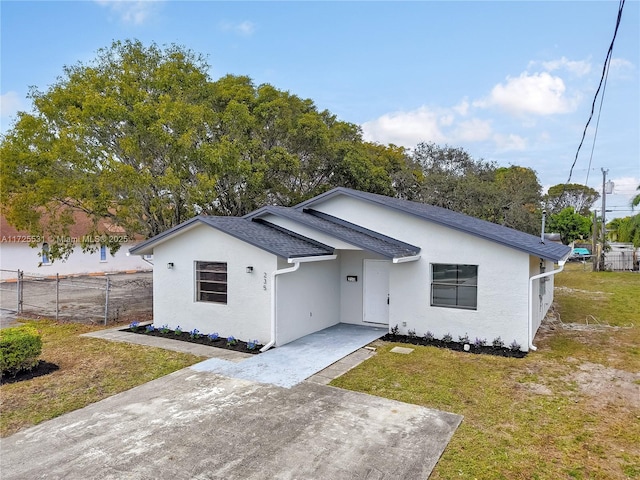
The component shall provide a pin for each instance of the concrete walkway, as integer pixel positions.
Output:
(200, 425)
(319, 357)
(294, 362)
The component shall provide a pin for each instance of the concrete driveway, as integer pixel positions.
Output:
(222, 419)
(201, 425)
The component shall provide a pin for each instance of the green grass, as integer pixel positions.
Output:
(530, 418)
(90, 370)
(523, 418)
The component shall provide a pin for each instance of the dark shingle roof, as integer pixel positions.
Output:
(457, 221)
(346, 231)
(270, 238)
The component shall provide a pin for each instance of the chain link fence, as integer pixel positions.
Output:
(84, 299)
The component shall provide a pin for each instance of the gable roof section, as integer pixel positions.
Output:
(457, 221)
(348, 232)
(271, 238)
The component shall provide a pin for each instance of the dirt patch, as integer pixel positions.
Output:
(606, 384)
(573, 291)
(535, 388)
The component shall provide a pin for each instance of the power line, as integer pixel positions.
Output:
(605, 69)
(595, 133)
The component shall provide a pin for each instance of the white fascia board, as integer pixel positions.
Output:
(413, 258)
(320, 258)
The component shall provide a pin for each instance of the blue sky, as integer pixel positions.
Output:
(511, 82)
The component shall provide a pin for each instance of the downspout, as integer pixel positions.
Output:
(272, 342)
(530, 303)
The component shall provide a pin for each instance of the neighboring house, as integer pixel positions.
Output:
(17, 254)
(347, 256)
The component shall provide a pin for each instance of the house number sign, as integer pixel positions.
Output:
(264, 281)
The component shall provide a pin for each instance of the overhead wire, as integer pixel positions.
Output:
(605, 69)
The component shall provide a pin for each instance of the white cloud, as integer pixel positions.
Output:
(10, 103)
(509, 142)
(405, 128)
(538, 94)
(245, 29)
(620, 64)
(577, 67)
(626, 186)
(474, 130)
(462, 108)
(426, 124)
(129, 11)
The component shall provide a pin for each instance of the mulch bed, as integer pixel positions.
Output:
(457, 346)
(220, 342)
(43, 368)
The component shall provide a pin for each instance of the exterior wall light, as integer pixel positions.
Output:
(249, 269)
(170, 265)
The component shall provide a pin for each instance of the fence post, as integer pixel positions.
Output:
(19, 290)
(57, 295)
(106, 301)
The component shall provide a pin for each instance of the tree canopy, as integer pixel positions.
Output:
(625, 230)
(143, 137)
(570, 225)
(580, 197)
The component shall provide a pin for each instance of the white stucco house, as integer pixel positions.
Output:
(280, 273)
(16, 253)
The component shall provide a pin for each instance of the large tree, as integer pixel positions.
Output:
(117, 138)
(451, 178)
(570, 225)
(580, 197)
(141, 136)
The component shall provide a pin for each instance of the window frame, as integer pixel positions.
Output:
(103, 253)
(199, 268)
(456, 285)
(45, 253)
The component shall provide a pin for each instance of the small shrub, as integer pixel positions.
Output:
(479, 342)
(395, 330)
(231, 340)
(447, 338)
(428, 336)
(464, 339)
(177, 330)
(134, 326)
(213, 336)
(195, 333)
(252, 344)
(514, 346)
(20, 348)
(497, 342)
(164, 329)
(149, 328)
(411, 333)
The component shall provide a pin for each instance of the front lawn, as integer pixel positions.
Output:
(569, 410)
(90, 369)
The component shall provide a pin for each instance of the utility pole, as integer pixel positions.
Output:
(604, 214)
(594, 236)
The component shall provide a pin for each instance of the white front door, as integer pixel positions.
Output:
(376, 291)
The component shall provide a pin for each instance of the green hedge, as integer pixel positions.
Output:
(20, 348)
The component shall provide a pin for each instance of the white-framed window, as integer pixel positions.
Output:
(103, 253)
(45, 260)
(454, 286)
(211, 282)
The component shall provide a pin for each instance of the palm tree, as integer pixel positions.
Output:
(636, 200)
